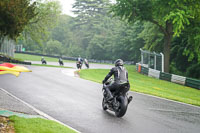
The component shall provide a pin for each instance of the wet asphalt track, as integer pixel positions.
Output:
(77, 103)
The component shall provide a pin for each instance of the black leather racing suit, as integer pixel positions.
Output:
(120, 77)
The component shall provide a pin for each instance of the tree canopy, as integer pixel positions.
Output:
(171, 16)
(37, 31)
(14, 16)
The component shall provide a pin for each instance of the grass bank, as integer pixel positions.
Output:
(38, 125)
(148, 85)
(50, 66)
(36, 58)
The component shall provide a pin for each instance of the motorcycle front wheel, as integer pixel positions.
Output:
(104, 105)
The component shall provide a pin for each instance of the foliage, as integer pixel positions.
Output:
(37, 31)
(127, 43)
(170, 16)
(185, 50)
(192, 47)
(14, 16)
(193, 71)
(153, 37)
(93, 33)
(53, 47)
(106, 37)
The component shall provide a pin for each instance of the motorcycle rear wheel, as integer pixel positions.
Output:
(122, 107)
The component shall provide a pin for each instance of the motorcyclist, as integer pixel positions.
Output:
(79, 61)
(43, 60)
(86, 63)
(60, 61)
(120, 77)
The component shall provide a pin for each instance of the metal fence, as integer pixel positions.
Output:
(7, 47)
(152, 60)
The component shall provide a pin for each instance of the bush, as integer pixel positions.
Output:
(193, 71)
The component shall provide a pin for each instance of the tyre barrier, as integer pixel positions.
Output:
(194, 83)
(165, 76)
(4, 58)
(190, 82)
(178, 79)
(154, 73)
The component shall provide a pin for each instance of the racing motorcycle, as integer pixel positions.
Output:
(78, 64)
(87, 65)
(44, 62)
(120, 101)
(61, 62)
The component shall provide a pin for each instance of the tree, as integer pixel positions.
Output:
(14, 16)
(152, 36)
(171, 16)
(86, 9)
(89, 16)
(38, 28)
(185, 52)
(127, 40)
(53, 47)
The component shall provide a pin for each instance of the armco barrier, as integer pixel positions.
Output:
(178, 79)
(144, 70)
(194, 83)
(165, 76)
(137, 66)
(154, 73)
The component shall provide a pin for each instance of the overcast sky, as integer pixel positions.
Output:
(67, 6)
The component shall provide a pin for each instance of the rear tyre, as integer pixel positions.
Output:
(122, 107)
(104, 105)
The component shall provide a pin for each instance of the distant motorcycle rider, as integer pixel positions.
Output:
(86, 63)
(79, 59)
(43, 60)
(60, 61)
(79, 62)
(120, 77)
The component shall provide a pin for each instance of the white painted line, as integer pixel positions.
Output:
(174, 111)
(69, 72)
(38, 111)
(164, 99)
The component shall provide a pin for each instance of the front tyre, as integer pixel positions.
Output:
(104, 106)
(122, 107)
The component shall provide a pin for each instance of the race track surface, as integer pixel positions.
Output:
(77, 103)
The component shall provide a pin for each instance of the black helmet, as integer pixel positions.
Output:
(119, 62)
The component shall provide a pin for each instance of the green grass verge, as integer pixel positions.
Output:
(38, 125)
(50, 66)
(144, 84)
(36, 58)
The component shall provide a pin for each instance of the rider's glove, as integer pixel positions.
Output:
(103, 81)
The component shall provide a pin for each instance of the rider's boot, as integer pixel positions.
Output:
(130, 99)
